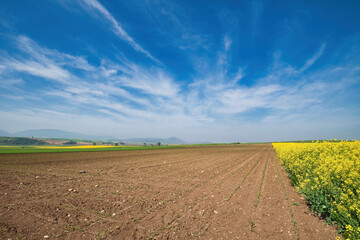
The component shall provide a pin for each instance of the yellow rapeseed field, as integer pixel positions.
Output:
(328, 174)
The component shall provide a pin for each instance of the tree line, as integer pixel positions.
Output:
(20, 141)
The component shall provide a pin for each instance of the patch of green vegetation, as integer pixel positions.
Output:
(33, 149)
(71, 142)
(73, 228)
(152, 235)
(251, 225)
(20, 141)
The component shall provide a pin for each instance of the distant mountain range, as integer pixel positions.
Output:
(55, 133)
(3, 133)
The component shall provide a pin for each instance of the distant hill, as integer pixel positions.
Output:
(3, 133)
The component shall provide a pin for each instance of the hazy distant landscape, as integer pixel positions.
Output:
(67, 136)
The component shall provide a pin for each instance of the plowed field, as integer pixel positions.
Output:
(207, 192)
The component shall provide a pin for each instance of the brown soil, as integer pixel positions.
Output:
(207, 192)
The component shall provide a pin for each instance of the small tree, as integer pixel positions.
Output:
(116, 144)
(70, 143)
(159, 143)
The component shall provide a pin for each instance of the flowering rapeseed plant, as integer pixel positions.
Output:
(328, 174)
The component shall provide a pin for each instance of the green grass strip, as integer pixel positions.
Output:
(30, 149)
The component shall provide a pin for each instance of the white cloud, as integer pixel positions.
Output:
(241, 99)
(152, 82)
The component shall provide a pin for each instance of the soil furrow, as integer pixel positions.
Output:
(181, 194)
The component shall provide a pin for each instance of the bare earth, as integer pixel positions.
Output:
(207, 192)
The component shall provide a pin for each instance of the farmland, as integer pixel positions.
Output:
(209, 192)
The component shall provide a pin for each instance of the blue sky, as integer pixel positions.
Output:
(219, 71)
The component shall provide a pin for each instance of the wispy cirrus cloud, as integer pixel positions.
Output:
(153, 81)
(314, 58)
(284, 87)
(41, 62)
(227, 43)
(49, 71)
(170, 15)
(123, 87)
(10, 84)
(97, 7)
